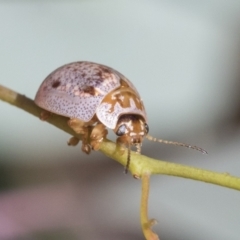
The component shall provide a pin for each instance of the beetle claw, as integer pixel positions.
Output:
(44, 115)
(73, 141)
(86, 148)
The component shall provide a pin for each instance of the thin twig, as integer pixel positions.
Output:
(145, 222)
(140, 164)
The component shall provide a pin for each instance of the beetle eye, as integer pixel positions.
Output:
(146, 128)
(121, 130)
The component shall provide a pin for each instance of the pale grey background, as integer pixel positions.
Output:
(183, 57)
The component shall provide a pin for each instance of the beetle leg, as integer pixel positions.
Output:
(44, 115)
(98, 133)
(79, 127)
(121, 144)
(85, 145)
(73, 141)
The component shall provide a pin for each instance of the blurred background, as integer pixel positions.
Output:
(183, 57)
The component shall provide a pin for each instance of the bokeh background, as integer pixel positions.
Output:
(183, 57)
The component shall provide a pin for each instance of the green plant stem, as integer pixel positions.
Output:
(140, 164)
(145, 222)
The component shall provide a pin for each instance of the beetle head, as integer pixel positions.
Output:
(131, 130)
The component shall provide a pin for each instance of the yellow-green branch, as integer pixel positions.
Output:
(145, 222)
(140, 164)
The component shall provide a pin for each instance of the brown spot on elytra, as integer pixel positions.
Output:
(56, 84)
(106, 70)
(90, 90)
(99, 74)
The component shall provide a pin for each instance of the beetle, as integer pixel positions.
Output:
(96, 97)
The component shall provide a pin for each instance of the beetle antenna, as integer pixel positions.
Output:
(128, 159)
(176, 143)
